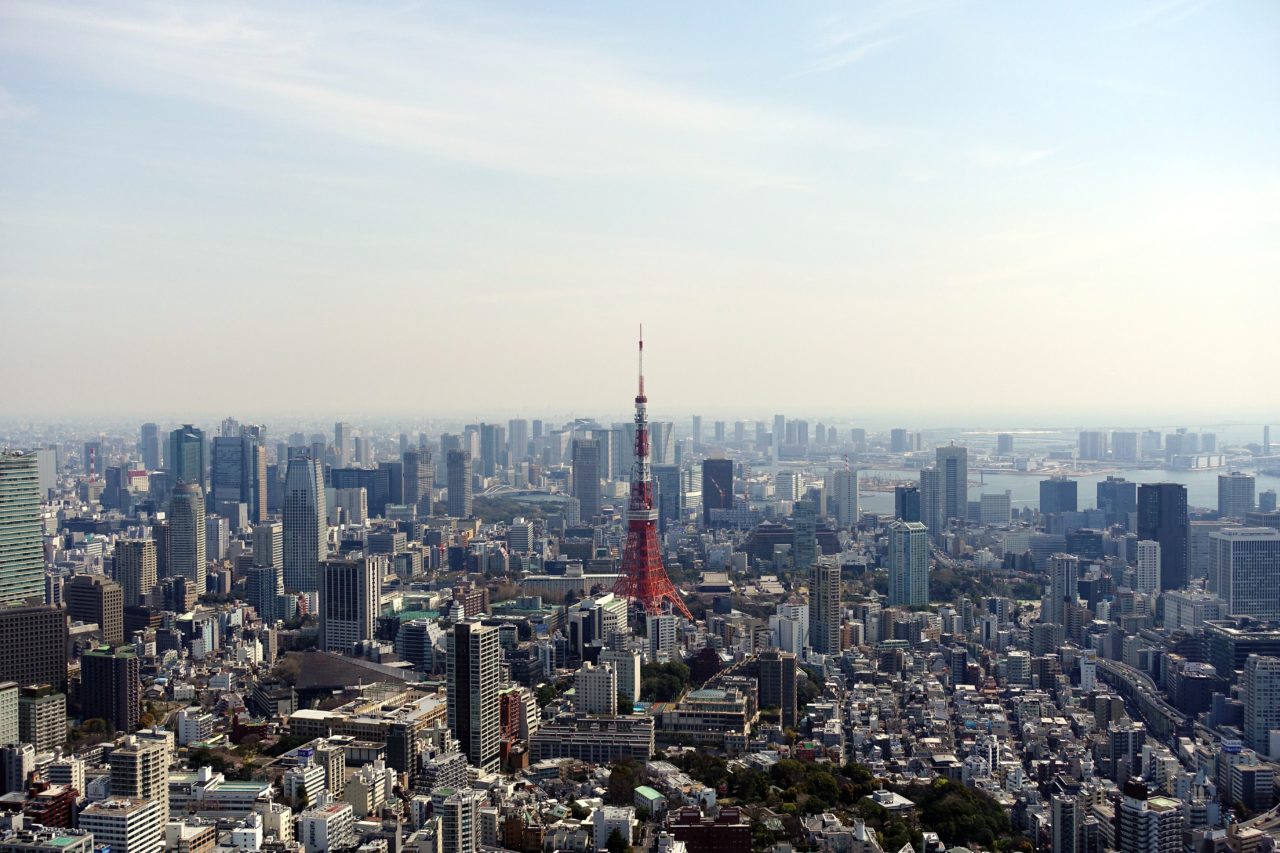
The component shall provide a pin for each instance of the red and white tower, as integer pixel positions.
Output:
(644, 581)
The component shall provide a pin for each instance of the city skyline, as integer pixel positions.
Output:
(894, 188)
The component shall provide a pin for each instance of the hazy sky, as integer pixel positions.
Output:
(952, 210)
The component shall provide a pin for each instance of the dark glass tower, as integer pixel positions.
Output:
(717, 487)
(1162, 517)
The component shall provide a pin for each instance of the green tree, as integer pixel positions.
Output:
(617, 844)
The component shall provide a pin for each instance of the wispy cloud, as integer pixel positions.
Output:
(844, 41)
(857, 53)
(992, 157)
(474, 91)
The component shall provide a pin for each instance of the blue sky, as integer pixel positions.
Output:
(934, 208)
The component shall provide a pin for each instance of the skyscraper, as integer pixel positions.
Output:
(697, 431)
(473, 677)
(1235, 494)
(586, 475)
(1118, 499)
(342, 445)
(1092, 445)
(1162, 516)
(804, 548)
(898, 440)
(777, 684)
(94, 598)
(906, 503)
(931, 501)
(1148, 571)
(1004, 444)
(417, 478)
(666, 479)
(350, 592)
(1261, 701)
(717, 487)
(517, 440)
(306, 528)
(459, 469)
(21, 532)
(1064, 586)
(187, 531)
(186, 459)
(135, 569)
(1058, 495)
(1244, 570)
(824, 606)
(35, 643)
(491, 447)
(844, 494)
(268, 544)
(263, 587)
(908, 564)
(149, 446)
(953, 465)
(240, 474)
(110, 688)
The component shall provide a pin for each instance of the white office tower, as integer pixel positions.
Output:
(1064, 587)
(664, 637)
(953, 466)
(473, 680)
(908, 564)
(342, 443)
(187, 531)
(1235, 495)
(353, 504)
(268, 544)
(786, 485)
(9, 712)
(1261, 702)
(1244, 568)
(844, 495)
(349, 594)
(459, 813)
(626, 664)
(306, 530)
(1148, 573)
(595, 690)
(790, 627)
(124, 824)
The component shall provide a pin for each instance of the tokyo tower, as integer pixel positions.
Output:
(644, 581)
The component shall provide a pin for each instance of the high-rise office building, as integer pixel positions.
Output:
(898, 442)
(268, 544)
(824, 606)
(135, 569)
(586, 475)
(1235, 494)
(350, 591)
(1092, 445)
(306, 526)
(186, 457)
(473, 677)
(1147, 576)
(459, 469)
(140, 769)
(931, 501)
(777, 684)
(1064, 588)
(953, 464)
(1162, 516)
(491, 448)
(1058, 495)
(240, 474)
(717, 487)
(804, 548)
(697, 431)
(96, 599)
(187, 531)
(42, 717)
(844, 496)
(908, 564)
(1066, 824)
(906, 503)
(342, 444)
(110, 688)
(35, 643)
(1125, 446)
(1267, 501)
(1244, 570)
(418, 479)
(1118, 499)
(517, 440)
(1261, 701)
(263, 587)
(666, 480)
(1004, 444)
(21, 531)
(149, 447)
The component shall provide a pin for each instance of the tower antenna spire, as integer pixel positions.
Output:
(642, 359)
